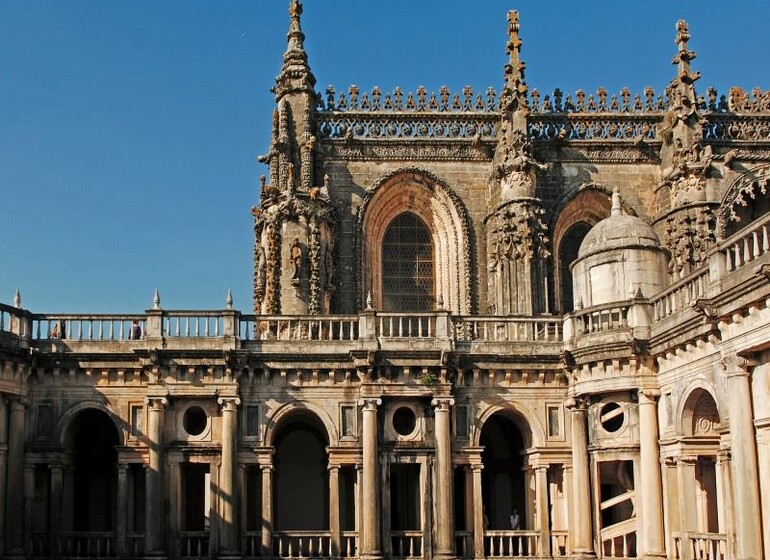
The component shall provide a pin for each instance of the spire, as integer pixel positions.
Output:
(295, 74)
(515, 88)
(682, 87)
(17, 299)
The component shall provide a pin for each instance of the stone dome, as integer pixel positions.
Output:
(618, 231)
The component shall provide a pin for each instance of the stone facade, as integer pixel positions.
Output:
(485, 325)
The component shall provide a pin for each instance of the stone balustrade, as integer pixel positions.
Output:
(701, 546)
(505, 544)
(406, 544)
(682, 294)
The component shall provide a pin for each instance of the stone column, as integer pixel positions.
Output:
(370, 544)
(478, 513)
(267, 509)
(154, 517)
(29, 499)
(57, 498)
(443, 489)
(227, 475)
(122, 509)
(649, 458)
(541, 503)
(748, 528)
(685, 470)
(3, 466)
(582, 537)
(68, 497)
(763, 440)
(334, 509)
(14, 520)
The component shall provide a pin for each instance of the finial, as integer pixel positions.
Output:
(617, 210)
(514, 70)
(17, 299)
(229, 299)
(295, 74)
(369, 300)
(156, 300)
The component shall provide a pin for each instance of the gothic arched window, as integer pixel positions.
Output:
(407, 265)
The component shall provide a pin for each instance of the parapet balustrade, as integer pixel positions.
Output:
(747, 245)
(682, 294)
(508, 543)
(406, 544)
(701, 546)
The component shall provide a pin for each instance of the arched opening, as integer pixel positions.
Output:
(700, 424)
(577, 216)
(503, 485)
(746, 200)
(407, 265)
(421, 203)
(301, 501)
(92, 440)
(568, 252)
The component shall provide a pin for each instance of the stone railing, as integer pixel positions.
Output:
(701, 546)
(96, 327)
(302, 544)
(619, 540)
(682, 294)
(746, 245)
(193, 324)
(13, 321)
(298, 327)
(559, 540)
(84, 545)
(601, 318)
(464, 544)
(406, 544)
(193, 544)
(508, 329)
(349, 544)
(504, 544)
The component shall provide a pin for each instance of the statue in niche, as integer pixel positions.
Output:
(295, 261)
(260, 266)
(330, 272)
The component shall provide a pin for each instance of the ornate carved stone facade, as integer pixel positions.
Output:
(484, 326)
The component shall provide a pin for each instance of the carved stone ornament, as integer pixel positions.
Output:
(517, 168)
(689, 236)
(748, 187)
(517, 231)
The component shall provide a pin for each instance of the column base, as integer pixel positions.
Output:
(371, 556)
(654, 555)
(581, 553)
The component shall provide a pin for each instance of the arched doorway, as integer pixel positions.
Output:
(301, 500)
(91, 440)
(407, 265)
(700, 426)
(503, 484)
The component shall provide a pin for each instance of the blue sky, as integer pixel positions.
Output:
(129, 130)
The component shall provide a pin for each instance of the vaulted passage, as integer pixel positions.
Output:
(93, 439)
(503, 486)
(301, 475)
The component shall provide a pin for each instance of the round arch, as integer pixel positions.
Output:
(745, 200)
(525, 420)
(295, 411)
(68, 422)
(430, 199)
(699, 411)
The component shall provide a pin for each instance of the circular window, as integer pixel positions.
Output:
(404, 421)
(612, 417)
(194, 421)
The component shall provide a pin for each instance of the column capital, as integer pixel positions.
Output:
(229, 404)
(369, 404)
(735, 365)
(648, 396)
(156, 403)
(576, 404)
(122, 468)
(18, 401)
(333, 468)
(442, 403)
